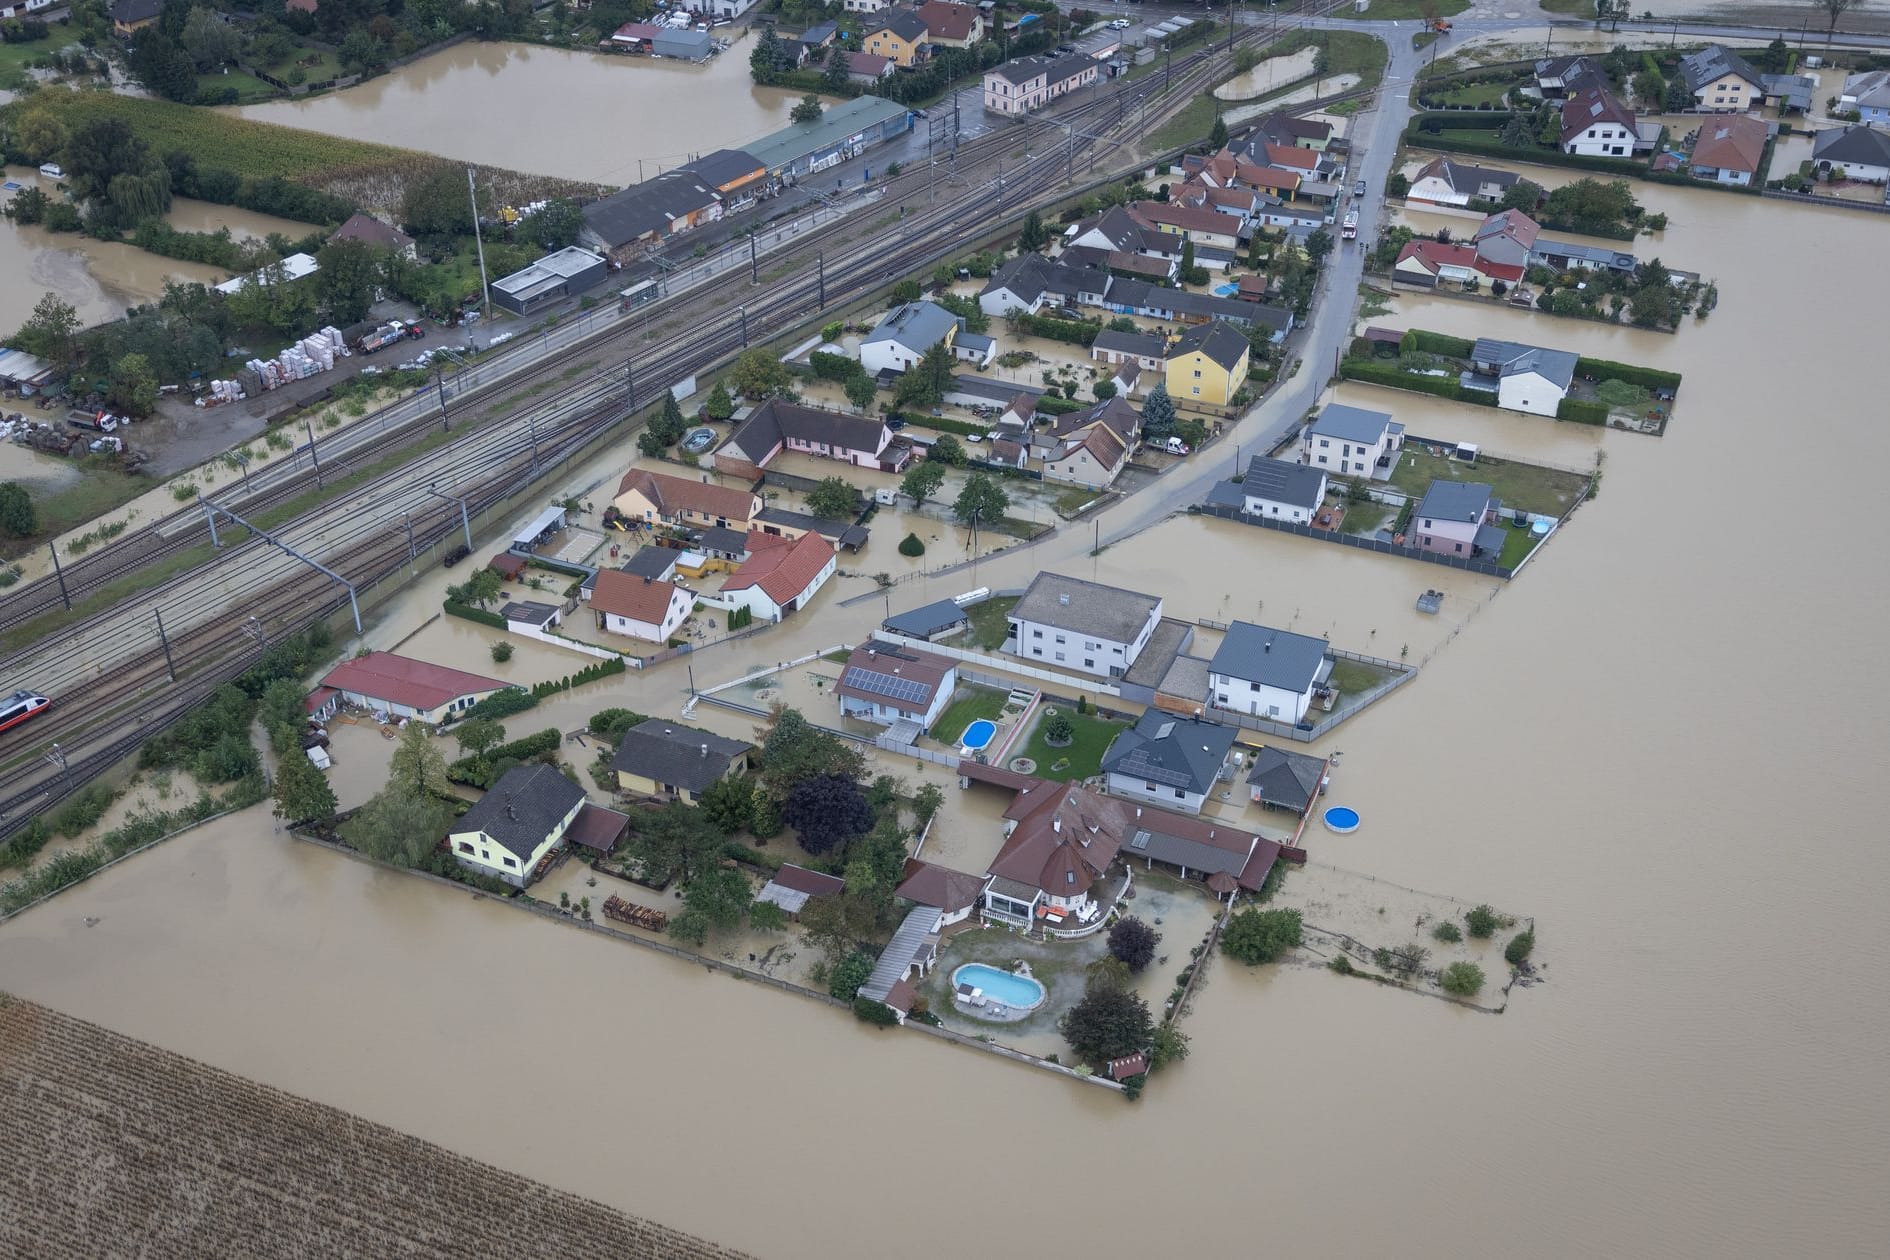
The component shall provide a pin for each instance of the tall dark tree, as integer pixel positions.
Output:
(827, 810)
(676, 840)
(794, 749)
(1217, 134)
(1108, 1023)
(981, 501)
(1034, 236)
(18, 517)
(1134, 942)
(554, 226)
(350, 272)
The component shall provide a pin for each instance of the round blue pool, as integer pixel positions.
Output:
(1342, 820)
(1020, 993)
(978, 735)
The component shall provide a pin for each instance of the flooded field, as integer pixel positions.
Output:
(550, 111)
(1589, 749)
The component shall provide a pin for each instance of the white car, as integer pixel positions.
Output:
(1120, 24)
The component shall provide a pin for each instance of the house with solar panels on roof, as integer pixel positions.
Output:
(1168, 761)
(889, 684)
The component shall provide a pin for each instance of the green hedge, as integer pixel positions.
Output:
(501, 704)
(1580, 412)
(833, 367)
(590, 673)
(1442, 343)
(477, 771)
(1647, 378)
(1419, 136)
(557, 566)
(1074, 332)
(942, 424)
(738, 852)
(1059, 406)
(480, 615)
(1374, 373)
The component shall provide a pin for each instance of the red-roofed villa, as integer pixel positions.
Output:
(401, 687)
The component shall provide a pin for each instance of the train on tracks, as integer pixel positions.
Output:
(20, 706)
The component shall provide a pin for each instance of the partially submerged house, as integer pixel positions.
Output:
(1523, 378)
(954, 894)
(1268, 673)
(930, 622)
(1086, 627)
(1277, 490)
(1721, 81)
(791, 887)
(1168, 761)
(1208, 363)
(890, 684)
(1352, 442)
(900, 340)
(667, 759)
(646, 608)
(1280, 778)
(1456, 518)
(520, 821)
(778, 425)
(660, 498)
(1596, 124)
(1444, 182)
(401, 687)
(1857, 152)
(1730, 150)
(780, 575)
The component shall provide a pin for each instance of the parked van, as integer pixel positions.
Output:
(52, 170)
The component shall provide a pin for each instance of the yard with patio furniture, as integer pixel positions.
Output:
(1083, 758)
(1548, 491)
(969, 703)
(990, 624)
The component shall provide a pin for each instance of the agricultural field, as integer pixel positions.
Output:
(120, 1148)
(368, 174)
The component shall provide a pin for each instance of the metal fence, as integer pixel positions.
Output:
(1466, 564)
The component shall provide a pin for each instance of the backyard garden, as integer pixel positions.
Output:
(1531, 487)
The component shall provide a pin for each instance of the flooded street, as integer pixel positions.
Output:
(579, 115)
(1705, 872)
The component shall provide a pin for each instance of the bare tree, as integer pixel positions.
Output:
(1833, 10)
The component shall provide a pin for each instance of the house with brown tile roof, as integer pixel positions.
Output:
(951, 25)
(780, 575)
(660, 498)
(1596, 124)
(1729, 149)
(371, 231)
(954, 893)
(640, 607)
(886, 683)
(1195, 223)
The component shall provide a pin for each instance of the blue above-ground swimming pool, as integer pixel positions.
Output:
(1226, 290)
(1342, 820)
(1015, 991)
(979, 734)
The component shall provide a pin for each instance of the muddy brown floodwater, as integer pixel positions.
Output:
(550, 111)
(1665, 742)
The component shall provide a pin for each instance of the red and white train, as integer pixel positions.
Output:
(20, 706)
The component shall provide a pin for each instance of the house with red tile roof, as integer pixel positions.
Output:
(402, 687)
(780, 575)
(646, 608)
(1596, 124)
(1431, 263)
(954, 894)
(659, 498)
(1729, 149)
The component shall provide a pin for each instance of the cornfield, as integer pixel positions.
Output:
(114, 1147)
(373, 176)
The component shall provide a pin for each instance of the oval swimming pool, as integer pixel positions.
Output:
(978, 734)
(1020, 993)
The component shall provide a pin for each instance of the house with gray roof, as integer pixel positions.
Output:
(1456, 518)
(1721, 81)
(1267, 673)
(518, 823)
(1868, 93)
(1166, 760)
(1276, 490)
(1148, 351)
(1352, 442)
(666, 759)
(929, 622)
(1792, 93)
(1066, 623)
(1523, 378)
(778, 425)
(1862, 153)
(903, 336)
(1282, 779)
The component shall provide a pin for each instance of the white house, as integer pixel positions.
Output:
(1869, 94)
(954, 894)
(1352, 442)
(888, 683)
(1595, 124)
(519, 820)
(1443, 182)
(901, 339)
(1279, 491)
(1168, 761)
(1524, 378)
(780, 574)
(1859, 152)
(644, 608)
(402, 687)
(1066, 623)
(1267, 673)
(1721, 81)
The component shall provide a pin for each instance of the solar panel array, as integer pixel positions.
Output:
(1139, 764)
(890, 686)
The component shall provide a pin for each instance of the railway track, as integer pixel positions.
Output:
(575, 416)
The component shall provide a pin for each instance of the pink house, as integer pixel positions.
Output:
(1456, 518)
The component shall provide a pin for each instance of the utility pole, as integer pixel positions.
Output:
(754, 265)
(170, 666)
(743, 312)
(406, 519)
(820, 277)
(439, 384)
(57, 756)
(312, 456)
(465, 521)
(629, 383)
(479, 241)
(61, 575)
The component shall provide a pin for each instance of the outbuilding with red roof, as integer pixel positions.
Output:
(645, 608)
(402, 687)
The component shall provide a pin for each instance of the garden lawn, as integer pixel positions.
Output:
(1192, 124)
(1365, 518)
(968, 704)
(1518, 545)
(1084, 757)
(1347, 52)
(13, 59)
(1475, 95)
(248, 87)
(990, 622)
(1354, 678)
(1527, 486)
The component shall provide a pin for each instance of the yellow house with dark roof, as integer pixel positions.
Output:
(1207, 365)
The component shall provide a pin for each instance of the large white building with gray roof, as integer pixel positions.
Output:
(1523, 378)
(1352, 442)
(1066, 623)
(1267, 673)
(1169, 761)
